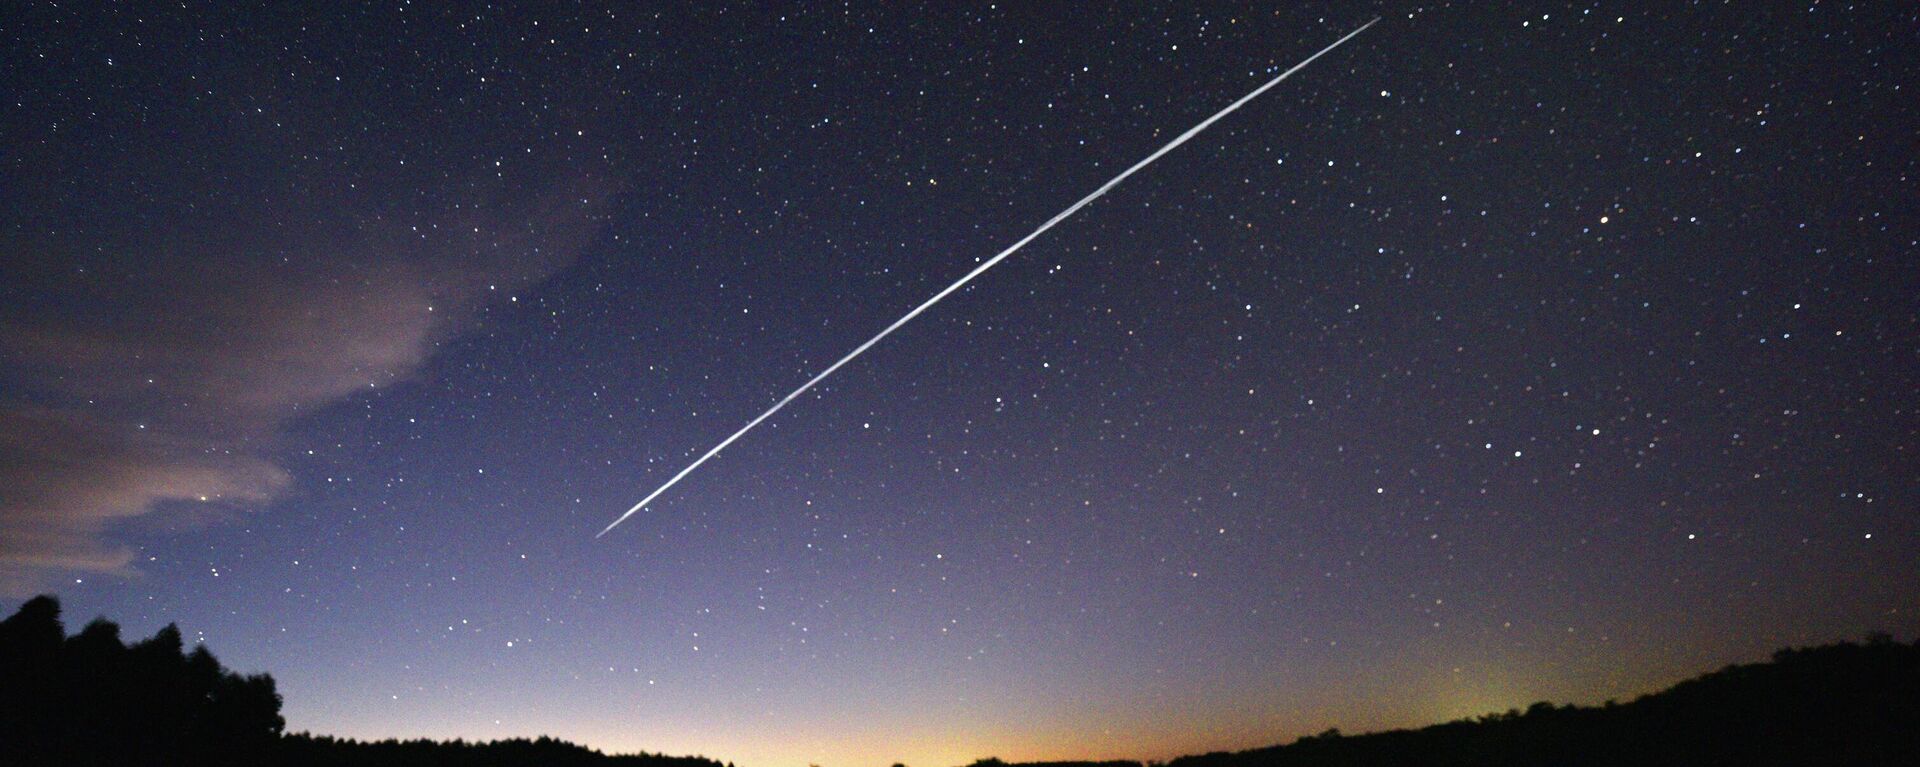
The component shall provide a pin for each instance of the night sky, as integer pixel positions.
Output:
(1503, 354)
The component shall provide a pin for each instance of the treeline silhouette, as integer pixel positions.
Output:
(996, 762)
(91, 699)
(305, 750)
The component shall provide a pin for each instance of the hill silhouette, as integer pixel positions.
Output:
(1839, 704)
(91, 699)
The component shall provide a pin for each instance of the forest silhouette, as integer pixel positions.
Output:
(92, 699)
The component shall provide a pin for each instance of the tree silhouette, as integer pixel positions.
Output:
(90, 699)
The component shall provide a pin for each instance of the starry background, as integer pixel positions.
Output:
(1506, 353)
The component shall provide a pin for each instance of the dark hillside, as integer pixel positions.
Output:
(1853, 704)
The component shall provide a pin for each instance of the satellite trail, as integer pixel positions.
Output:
(977, 271)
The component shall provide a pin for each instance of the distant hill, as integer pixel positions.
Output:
(1841, 704)
(90, 699)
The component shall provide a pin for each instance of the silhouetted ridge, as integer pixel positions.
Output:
(1842, 704)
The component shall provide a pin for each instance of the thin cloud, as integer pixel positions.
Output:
(170, 383)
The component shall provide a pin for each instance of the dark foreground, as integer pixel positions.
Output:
(91, 699)
(1841, 704)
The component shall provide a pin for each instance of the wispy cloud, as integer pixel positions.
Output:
(168, 375)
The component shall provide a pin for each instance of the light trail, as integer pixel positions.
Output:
(978, 270)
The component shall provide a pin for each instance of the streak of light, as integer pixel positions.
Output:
(981, 269)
